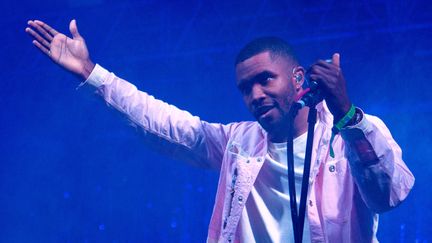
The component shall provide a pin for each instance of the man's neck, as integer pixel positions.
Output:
(299, 127)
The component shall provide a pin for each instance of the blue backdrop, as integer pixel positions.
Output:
(72, 170)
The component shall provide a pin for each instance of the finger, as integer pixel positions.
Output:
(321, 68)
(40, 30)
(48, 28)
(315, 77)
(323, 75)
(74, 29)
(324, 63)
(320, 64)
(321, 78)
(39, 38)
(42, 48)
(336, 59)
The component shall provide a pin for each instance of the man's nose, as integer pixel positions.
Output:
(257, 94)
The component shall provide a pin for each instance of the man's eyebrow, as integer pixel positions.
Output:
(257, 77)
(264, 74)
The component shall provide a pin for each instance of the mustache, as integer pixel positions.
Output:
(258, 110)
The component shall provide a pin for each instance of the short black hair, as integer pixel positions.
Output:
(277, 47)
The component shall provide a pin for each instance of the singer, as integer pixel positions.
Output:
(355, 174)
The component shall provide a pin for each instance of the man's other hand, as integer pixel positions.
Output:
(330, 78)
(71, 54)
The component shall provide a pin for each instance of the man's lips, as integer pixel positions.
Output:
(262, 110)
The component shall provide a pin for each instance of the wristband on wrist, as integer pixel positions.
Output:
(339, 125)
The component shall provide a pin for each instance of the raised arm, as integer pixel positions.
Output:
(70, 53)
(375, 159)
(172, 131)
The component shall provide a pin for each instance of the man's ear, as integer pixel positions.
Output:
(298, 77)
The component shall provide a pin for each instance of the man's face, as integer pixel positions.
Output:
(268, 89)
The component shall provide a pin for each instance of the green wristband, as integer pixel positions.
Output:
(339, 125)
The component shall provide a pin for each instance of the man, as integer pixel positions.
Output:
(364, 175)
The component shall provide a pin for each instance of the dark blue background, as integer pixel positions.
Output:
(72, 170)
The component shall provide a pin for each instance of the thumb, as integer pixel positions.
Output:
(336, 59)
(74, 29)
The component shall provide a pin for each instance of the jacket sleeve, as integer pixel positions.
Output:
(165, 127)
(376, 163)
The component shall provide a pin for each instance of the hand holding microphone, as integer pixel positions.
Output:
(311, 95)
(326, 81)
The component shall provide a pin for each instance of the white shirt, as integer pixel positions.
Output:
(267, 216)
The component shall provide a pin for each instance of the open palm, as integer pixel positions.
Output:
(70, 53)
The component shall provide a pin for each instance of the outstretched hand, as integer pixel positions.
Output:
(330, 78)
(71, 54)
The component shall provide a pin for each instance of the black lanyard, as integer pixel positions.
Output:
(299, 216)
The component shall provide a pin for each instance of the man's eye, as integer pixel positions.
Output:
(266, 80)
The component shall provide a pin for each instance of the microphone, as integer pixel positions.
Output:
(311, 95)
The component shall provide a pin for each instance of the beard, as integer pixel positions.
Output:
(276, 122)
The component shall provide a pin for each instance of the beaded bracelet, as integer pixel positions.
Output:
(339, 125)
